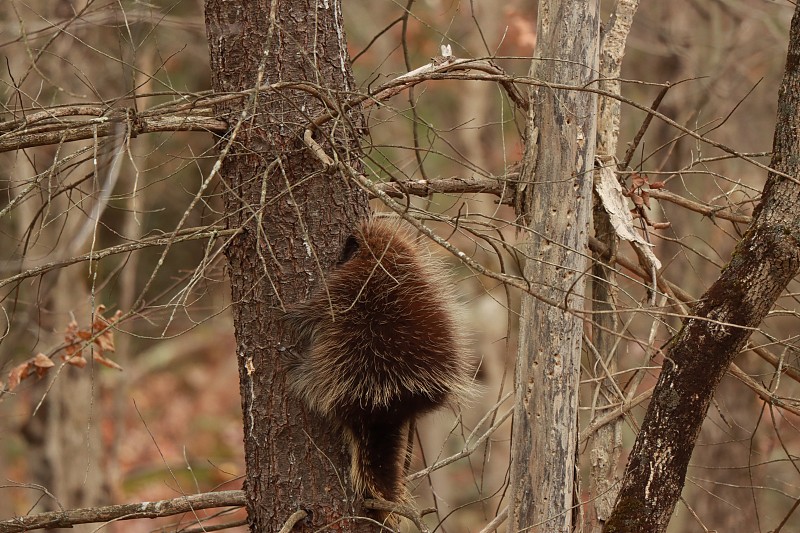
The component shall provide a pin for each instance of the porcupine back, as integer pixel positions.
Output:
(378, 346)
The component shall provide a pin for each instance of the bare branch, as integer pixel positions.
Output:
(293, 520)
(190, 234)
(129, 511)
(22, 135)
(501, 186)
(397, 508)
(712, 211)
(496, 522)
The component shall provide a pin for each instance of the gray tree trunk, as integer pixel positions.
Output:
(555, 200)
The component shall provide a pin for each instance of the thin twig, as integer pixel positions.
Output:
(496, 522)
(645, 124)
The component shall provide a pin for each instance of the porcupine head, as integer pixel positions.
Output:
(377, 346)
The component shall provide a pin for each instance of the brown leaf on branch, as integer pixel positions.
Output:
(105, 340)
(101, 335)
(106, 362)
(42, 363)
(73, 352)
(17, 374)
(646, 198)
(75, 360)
(38, 365)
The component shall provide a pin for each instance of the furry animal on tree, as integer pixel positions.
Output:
(377, 346)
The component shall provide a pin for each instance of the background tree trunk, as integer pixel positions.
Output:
(606, 444)
(293, 220)
(556, 201)
(764, 262)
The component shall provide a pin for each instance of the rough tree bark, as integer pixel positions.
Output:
(293, 219)
(555, 199)
(763, 263)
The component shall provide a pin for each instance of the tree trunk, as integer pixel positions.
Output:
(606, 443)
(764, 262)
(293, 219)
(555, 199)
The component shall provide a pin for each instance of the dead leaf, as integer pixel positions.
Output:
(106, 362)
(71, 330)
(646, 198)
(70, 351)
(105, 341)
(77, 360)
(657, 185)
(42, 361)
(17, 374)
(42, 364)
(101, 335)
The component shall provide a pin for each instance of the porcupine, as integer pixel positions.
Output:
(376, 347)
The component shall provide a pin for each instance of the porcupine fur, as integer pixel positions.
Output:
(379, 345)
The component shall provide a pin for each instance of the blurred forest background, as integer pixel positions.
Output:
(169, 423)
